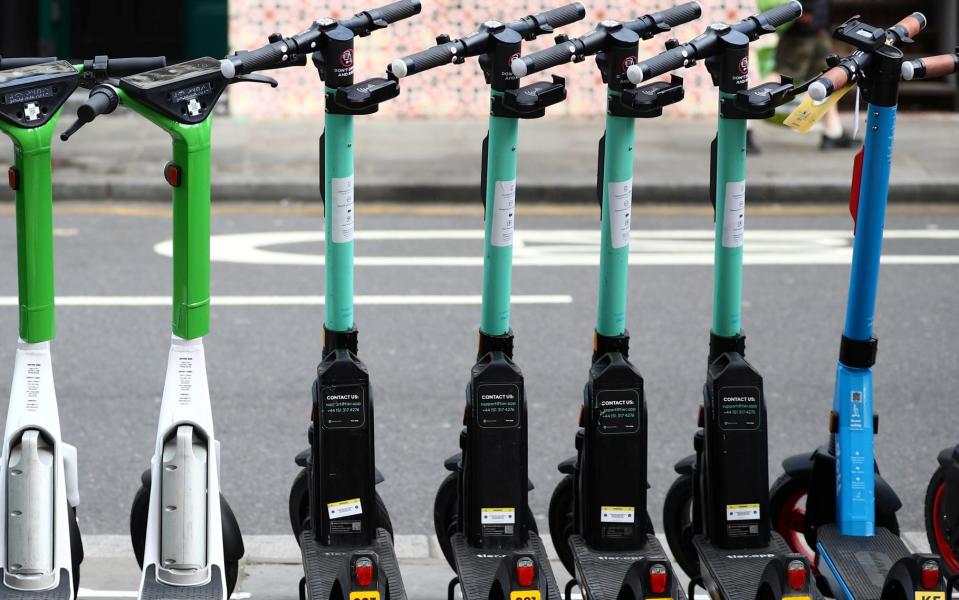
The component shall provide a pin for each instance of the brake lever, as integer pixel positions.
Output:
(255, 78)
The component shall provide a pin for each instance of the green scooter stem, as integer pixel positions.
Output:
(191, 220)
(34, 206)
(614, 248)
(338, 199)
(730, 204)
(500, 216)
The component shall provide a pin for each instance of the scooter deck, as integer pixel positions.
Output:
(64, 591)
(157, 590)
(321, 564)
(736, 574)
(477, 567)
(602, 572)
(860, 563)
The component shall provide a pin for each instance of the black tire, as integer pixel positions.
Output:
(562, 520)
(232, 541)
(678, 524)
(76, 549)
(300, 506)
(938, 543)
(781, 496)
(446, 515)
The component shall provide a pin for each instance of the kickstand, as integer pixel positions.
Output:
(303, 588)
(693, 583)
(569, 589)
(951, 585)
(451, 589)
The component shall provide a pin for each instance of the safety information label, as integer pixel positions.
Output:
(620, 207)
(734, 217)
(341, 199)
(497, 516)
(742, 512)
(617, 514)
(739, 408)
(498, 405)
(344, 508)
(343, 406)
(504, 204)
(618, 411)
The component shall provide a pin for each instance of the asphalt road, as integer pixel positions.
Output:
(109, 361)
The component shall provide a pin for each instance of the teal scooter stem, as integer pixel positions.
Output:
(338, 202)
(500, 219)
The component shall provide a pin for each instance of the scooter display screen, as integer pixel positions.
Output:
(43, 70)
(173, 74)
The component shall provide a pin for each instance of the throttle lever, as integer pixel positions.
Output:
(255, 78)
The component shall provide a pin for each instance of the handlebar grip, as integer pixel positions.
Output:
(785, 13)
(122, 67)
(271, 56)
(424, 60)
(396, 11)
(564, 15)
(830, 81)
(18, 63)
(657, 65)
(99, 103)
(559, 54)
(931, 67)
(678, 15)
(913, 24)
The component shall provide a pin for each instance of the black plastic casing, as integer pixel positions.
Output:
(190, 95)
(494, 472)
(505, 46)
(30, 96)
(342, 446)
(613, 456)
(734, 474)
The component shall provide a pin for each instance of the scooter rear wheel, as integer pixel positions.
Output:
(678, 524)
(935, 528)
(300, 506)
(232, 540)
(446, 516)
(76, 549)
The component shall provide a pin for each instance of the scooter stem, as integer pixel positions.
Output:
(500, 218)
(34, 212)
(338, 198)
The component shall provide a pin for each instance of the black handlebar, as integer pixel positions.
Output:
(707, 44)
(595, 41)
(103, 100)
(292, 51)
(477, 43)
(18, 63)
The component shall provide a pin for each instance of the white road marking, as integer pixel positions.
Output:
(88, 593)
(574, 247)
(371, 300)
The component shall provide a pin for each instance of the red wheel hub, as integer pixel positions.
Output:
(948, 553)
(791, 524)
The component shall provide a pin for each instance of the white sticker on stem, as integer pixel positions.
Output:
(734, 217)
(341, 190)
(504, 204)
(620, 207)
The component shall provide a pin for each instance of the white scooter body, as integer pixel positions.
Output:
(38, 483)
(184, 539)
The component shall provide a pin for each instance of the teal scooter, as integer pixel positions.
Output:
(481, 513)
(598, 518)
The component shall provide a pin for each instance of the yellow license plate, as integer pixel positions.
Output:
(930, 596)
(530, 595)
(374, 595)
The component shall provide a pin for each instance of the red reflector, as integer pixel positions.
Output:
(658, 579)
(525, 572)
(856, 185)
(172, 173)
(13, 178)
(796, 573)
(363, 572)
(930, 574)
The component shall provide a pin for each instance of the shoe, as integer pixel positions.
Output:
(751, 148)
(842, 142)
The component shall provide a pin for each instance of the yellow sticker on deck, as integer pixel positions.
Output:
(372, 595)
(528, 595)
(930, 596)
(809, 112)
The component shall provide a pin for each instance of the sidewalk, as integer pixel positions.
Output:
(121, 158)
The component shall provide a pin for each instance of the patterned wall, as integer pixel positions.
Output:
(454, 90)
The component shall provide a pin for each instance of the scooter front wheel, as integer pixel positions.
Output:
(678, 524)
(232, 539)
(935, 526)
(76, 549)
(300, 506)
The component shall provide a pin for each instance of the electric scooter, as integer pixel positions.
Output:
(597, 515)
(40, 545)
(834, 498)
(715, 514)
(338, 519)
(184, 534)
(481, 513)
(942, 494)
